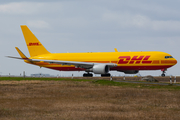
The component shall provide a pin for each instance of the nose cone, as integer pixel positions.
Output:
(175, 61)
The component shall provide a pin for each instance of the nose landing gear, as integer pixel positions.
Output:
(163, 74)
(164, 71)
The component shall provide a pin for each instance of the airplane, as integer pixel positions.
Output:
(93, 62)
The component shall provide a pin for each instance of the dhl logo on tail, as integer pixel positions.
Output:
(34, 44)
(134, 59)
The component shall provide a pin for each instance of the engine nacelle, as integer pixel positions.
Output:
(130, 71)
(100, 69)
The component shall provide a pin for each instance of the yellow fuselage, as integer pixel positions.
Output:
(124, 60)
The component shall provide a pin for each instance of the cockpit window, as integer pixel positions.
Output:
(168, 57)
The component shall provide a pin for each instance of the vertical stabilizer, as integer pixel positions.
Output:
(33, 44)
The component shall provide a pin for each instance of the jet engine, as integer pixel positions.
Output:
(100, 69)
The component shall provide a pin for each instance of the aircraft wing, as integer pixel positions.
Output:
(85, 65)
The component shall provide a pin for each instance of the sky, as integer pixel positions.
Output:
(89, 26)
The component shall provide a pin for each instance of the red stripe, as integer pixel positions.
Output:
(66, 68)
(119, 68)
(155, 62)
(168, 61)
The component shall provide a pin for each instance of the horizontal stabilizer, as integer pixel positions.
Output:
(23, 57)
(17, 58)
(21, 54)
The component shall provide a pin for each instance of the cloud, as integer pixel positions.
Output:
(20, 8)
(38, 24)
(125, 20)
(139, 21)
(166, 25)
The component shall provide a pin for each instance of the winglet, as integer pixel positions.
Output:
(115, 50)
(21, 54)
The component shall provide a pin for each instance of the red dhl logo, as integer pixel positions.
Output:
(34, 44)
(134, 59)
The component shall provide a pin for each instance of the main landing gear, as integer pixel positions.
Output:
(106, 75)
(88, 75)
(91, 75)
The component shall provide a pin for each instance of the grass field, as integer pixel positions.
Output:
(81, 99)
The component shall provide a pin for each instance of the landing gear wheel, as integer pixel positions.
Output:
(163, 75)
(87, 75)
(105, 75)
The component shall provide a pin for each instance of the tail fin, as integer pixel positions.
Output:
(34, 46)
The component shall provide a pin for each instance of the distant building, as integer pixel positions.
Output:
(40, 75)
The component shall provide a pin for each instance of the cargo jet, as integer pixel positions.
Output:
(94, 62)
